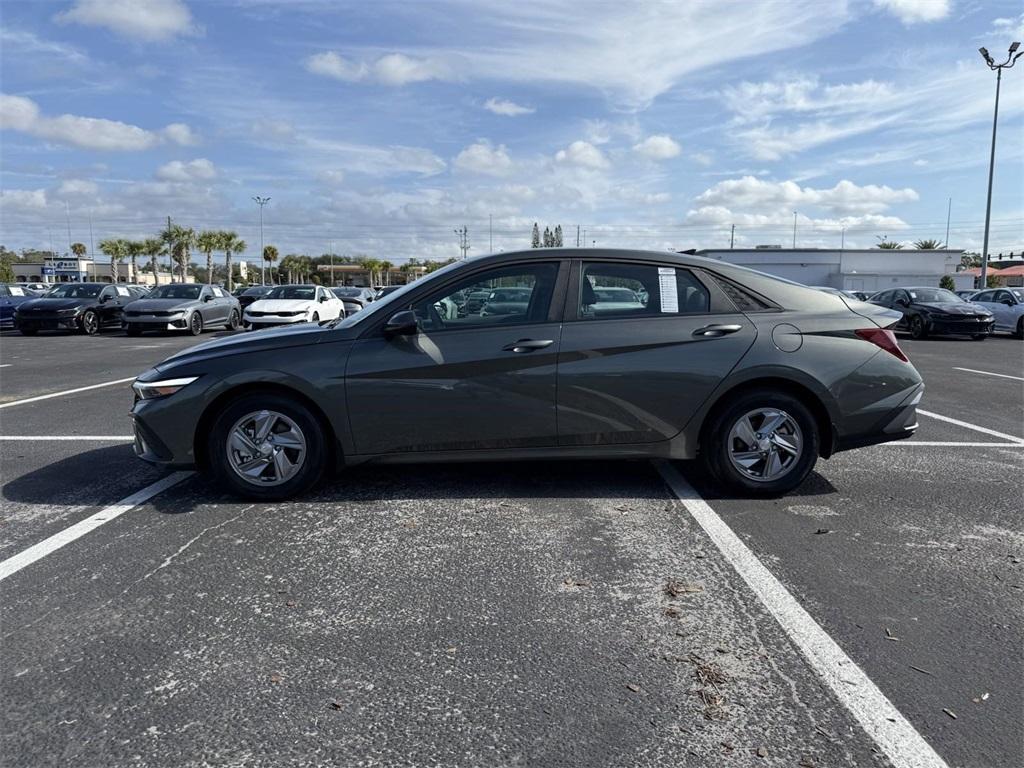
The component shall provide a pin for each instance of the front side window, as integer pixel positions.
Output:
(506, 296)
(639, 290)
(983, 296)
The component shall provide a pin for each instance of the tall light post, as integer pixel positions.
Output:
(1011, 59)
(261, 201)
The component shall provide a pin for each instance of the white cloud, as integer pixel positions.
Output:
(146, 20)
(582, 154)
(331, 178)
(77, 188)
(753, 101)
(1011, 27)
(481, 157)
(845, 197)
(914, 11)
(703, 158)
(23, 199)
(768, 143)
(18, 113)
(179, 133)
(391, 69)
(369, 159)
(200, 169)
(781, 221)
(507, 108)
(658, 147)
(283, 130)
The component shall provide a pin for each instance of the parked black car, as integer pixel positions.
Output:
(754, 376)
(252, 293)
(83, 307)
(354, 298)
(929, 311)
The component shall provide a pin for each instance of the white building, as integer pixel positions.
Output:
(870, 270)
(72, 270)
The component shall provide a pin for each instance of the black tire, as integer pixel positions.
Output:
(195, 324)
(233, 320)
(316, 454)
(1020, 327)
(133, 329)
(918, 330)
(29, 331)
(979, 336)
(715, 448)
(89, 324)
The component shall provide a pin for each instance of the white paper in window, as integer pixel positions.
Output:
(123, 291)
(669, 292)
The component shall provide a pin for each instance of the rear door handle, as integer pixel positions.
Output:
(717, 330)
(528, 345)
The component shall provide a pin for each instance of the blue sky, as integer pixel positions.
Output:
(382, 127)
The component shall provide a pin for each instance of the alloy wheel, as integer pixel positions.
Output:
(195, 324)
(765, 444)
(90, 322)
(266, 448)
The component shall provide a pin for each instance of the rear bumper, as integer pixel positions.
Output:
(896, 423)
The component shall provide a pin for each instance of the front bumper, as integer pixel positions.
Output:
(175, 322)
(269, 321)
(165, 428)
(960, 327)
(47, 322)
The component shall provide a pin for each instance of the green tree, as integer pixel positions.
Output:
(116, 249)
(135, 248)
(889, 245)
(179, 241)
(969, 260)
(6, 270)
(208, 241)
(154, 248)
(927, 245)
(78, 249)
(535, 238)
(946, 281)
(230, 243)
(992, 281)
(385, 268)
(373, 267)
(557, 239)
(270, 256)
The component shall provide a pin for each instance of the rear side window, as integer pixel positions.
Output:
(623, 289)
(744, 300)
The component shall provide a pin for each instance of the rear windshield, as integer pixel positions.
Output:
(176, 292)
(292, 292)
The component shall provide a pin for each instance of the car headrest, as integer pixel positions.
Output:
(588, 297)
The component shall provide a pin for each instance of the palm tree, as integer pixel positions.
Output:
(153, 247)
(270, 256)
(373, 267)
(888, 245)
(927, 245)
(208, 241)
(116, 249)
(135, 248)
(230, 243)
(78, 249)
(179, 240)
(385, 268)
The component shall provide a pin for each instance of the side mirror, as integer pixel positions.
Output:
(903, 302)
(401, 324)
(322, 299)
(105, 298)
(207, 297)
(1008, 302)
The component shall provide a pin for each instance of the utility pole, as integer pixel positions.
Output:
(92, 250)
(464, 245)
(261, 201)
(170, 251)
(332, 264)
(67, 216)
(842, 240)
(490, 233)
(584, 238)
(794, 230)
(577, 235)
(1010, 61)
(732, 237)
(949, 210)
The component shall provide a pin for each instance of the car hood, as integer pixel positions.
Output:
(949, 308)
(162, 305)
(281, 305)
(251, 341)
(52, 305)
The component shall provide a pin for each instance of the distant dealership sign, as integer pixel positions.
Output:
(47, 270)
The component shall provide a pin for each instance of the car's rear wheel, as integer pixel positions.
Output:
(267, 446)
(195, 324)
(918, 330)
(233, 321)
(764, 443)
(90, 323)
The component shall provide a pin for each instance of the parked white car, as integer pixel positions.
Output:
(287, 304)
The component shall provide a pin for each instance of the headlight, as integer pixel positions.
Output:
(74, 311)
(150, 390)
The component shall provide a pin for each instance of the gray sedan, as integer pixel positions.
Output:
(183, 307)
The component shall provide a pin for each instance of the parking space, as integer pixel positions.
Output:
(556, 613)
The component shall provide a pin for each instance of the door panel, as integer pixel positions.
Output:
(453, 390)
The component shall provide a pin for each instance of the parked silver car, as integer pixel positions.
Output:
(1007, 304)
(183, 307)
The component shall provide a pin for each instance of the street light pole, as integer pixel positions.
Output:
(261, 201)
(1010, 61)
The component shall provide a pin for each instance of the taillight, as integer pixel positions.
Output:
(884, 338)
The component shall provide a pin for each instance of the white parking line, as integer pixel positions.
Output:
(951, 443)
(975, 427)
(37, 398)
(6, 365)
(900, 741)
(989, 373)
(70, 438)
(38, 551)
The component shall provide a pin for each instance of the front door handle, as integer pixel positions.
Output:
(717, 330)
(528, 345)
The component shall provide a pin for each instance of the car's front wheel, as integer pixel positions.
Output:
(764, 443)
(267, 446)
(1020, 327)
(195, 324)
(90, 323)
(233, 321)
(133, 329)
(918, 330)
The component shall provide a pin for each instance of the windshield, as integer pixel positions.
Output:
(351, 293)
(75, 291)
(933, 295)
(298, 292)
(12, 290)
(176, 292)
(256, 290)
(1018, 294)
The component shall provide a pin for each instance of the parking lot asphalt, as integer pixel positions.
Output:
(503, 614)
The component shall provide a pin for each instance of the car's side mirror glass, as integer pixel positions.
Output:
(207, 297)
(401, 324)
(903, 302)
(104, 298)
(1008, 302)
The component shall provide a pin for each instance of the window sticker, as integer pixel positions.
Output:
(217, 292)
(17, 291)
(669, 292)
(123, 291)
